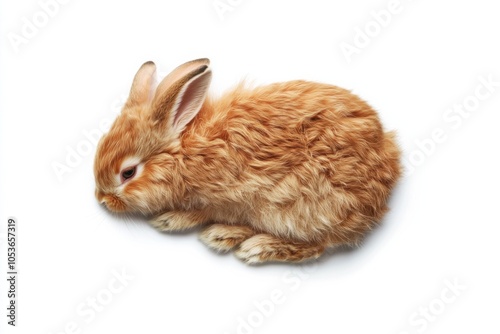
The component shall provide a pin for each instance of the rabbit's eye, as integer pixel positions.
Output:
(128, 173)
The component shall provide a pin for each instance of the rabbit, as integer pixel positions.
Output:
(280, 172)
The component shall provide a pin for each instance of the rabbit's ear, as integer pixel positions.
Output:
(142, 89)
(180, 96)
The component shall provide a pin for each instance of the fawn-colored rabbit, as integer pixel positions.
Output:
(278, 172)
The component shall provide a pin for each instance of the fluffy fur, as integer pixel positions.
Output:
(279, 172)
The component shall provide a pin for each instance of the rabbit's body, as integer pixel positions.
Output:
(282, 171)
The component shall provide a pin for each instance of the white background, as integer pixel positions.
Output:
(443, 228)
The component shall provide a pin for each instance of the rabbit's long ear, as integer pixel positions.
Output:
(142, 89)
(180, 96)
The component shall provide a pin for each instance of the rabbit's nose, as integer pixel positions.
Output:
(101, 198)
(99, 195)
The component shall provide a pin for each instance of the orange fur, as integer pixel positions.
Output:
(303, 165)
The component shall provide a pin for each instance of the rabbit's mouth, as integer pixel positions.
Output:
(112, 203)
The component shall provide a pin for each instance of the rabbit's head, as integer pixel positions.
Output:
(135, 169)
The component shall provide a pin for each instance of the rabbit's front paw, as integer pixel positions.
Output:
(225, 237)
(175, 221)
